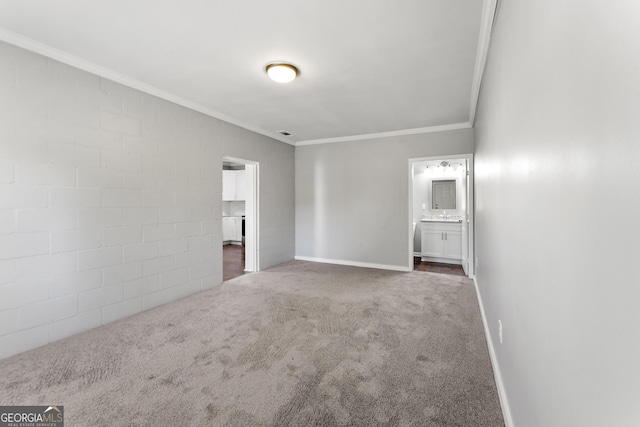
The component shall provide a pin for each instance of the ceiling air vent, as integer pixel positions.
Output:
(284, 132)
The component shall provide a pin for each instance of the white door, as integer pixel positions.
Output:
(251, 218)
(432, 243)
(465, 219)
(452, 244)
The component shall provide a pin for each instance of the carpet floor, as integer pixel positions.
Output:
(302, 344)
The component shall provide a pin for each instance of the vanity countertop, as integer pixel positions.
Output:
(453, 220)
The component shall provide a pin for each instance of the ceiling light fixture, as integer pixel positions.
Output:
(281, 72)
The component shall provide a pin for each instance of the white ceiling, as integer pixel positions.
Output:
(366, 66)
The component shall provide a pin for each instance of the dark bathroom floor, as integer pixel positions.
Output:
(436, 267)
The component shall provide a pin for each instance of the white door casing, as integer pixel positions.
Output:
(466, 238)
(249, 191)
(464, 244)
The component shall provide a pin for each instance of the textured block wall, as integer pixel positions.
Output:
(110, 200)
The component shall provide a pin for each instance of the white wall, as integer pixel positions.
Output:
(557, 202)
(352, 197)
(110, 200)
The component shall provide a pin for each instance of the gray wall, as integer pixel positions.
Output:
(110, 200)
(352, 197)
(557, 202)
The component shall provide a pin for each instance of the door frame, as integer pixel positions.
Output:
(252, 212)
(470, 207)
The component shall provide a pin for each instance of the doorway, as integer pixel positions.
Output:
(441, 214)
(240, 217)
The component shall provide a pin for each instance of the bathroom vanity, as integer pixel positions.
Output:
(441, 240)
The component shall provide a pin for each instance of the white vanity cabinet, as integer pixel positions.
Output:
(441, 241)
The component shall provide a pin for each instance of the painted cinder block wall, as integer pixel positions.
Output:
(110, 200)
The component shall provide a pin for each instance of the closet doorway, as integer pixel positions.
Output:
(240, 217)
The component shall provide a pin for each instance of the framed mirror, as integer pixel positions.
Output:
(443, 194)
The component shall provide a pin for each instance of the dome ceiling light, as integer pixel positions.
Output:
(281, 72)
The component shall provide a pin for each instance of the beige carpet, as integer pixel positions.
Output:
(302, 344)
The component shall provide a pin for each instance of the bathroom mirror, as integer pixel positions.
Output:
(443, 194)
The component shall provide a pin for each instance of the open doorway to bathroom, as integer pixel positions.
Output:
(239, 217)
(441, 214)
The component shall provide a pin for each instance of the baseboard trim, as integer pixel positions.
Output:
(354, 263)
(502, 394)
(441, 260)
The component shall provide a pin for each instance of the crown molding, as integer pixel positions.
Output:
(74, 61)
(91, 67)
(404, 132)
(488, 15)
